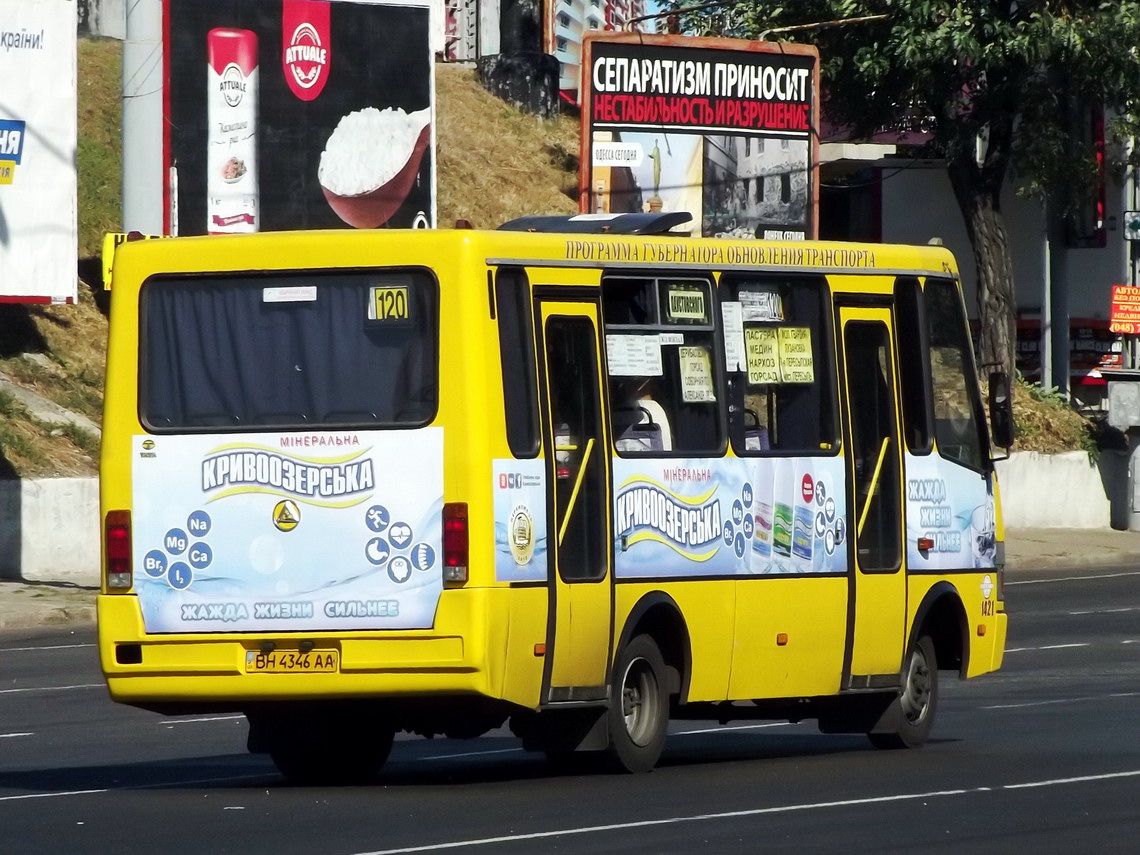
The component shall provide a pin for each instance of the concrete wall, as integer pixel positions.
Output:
(49, 530)
(1053, 491)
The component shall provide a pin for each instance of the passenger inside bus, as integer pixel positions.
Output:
(640, 422)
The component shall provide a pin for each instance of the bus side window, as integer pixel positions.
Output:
(516, 350)
(914, 366)
(662, 365)
(782, 396)
(957, 402)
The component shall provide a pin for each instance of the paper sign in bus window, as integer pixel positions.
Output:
(734, 353)
(289, 294)
(696, 375)
(634, 356)
(796, 365)
(762, 346)
(389, 303)
(762, 306)
(686, 304)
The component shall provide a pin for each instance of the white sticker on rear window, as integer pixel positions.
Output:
(289, 294)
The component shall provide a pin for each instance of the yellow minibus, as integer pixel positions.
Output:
(579, 474)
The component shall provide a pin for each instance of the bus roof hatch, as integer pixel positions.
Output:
(596, 224)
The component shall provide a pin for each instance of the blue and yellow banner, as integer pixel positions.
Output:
(12, 133)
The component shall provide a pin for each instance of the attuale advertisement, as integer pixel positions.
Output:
(298, 114)
(721, 128)
(262, 532)
(38, 198)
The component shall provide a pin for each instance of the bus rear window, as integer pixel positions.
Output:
(299, 349)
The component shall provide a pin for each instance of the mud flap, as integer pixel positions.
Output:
(583, 729)
(858, 713)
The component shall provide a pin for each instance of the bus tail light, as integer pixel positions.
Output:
(118, 544)
(455, 542)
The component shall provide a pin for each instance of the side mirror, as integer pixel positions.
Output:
(1001, 410)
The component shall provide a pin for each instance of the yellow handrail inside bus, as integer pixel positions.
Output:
(577, 487)
(874, 484)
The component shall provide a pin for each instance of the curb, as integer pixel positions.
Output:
(50, 617)
(30, 605)
(1029, 564)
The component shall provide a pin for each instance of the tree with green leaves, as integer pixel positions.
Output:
(997, 84)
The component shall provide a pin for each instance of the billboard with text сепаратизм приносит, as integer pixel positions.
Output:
(721, 128)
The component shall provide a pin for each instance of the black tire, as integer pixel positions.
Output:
(639, 706)
(912, 712)
(331, 753)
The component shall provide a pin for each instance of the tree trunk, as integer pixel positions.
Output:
(978, 191)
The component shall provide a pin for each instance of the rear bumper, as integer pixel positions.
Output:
(210, 669)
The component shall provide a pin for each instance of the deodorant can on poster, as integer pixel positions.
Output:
(802, 535)
(762, 507)
(231, 159)
(782, 504)
(803, 527)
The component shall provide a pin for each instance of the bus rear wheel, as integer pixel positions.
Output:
(913, 710)
(328, 750)
(639, 706)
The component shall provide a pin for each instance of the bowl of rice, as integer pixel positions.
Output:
(370, 163)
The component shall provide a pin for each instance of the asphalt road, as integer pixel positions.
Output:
(1043, 756)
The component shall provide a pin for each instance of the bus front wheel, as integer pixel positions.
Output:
(911, 715)
(639, 706)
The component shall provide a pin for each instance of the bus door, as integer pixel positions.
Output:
(876, 629)
(579, 635)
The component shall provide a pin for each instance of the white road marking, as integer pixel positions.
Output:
(471, 754)
(14, 735)
(1107, 611)
(705, 817)
(161, 786)
(675, 733)
(49, 795)
(53, 688)
(733, 727)
(45, 647)
(170, 722)
(1078, 780)
(1056, 701)
(1071, 578)
(1047, 647)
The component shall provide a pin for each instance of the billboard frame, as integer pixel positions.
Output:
(169, 191)
(585, 172)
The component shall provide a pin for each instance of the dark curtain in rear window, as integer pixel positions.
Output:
(219, 354)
